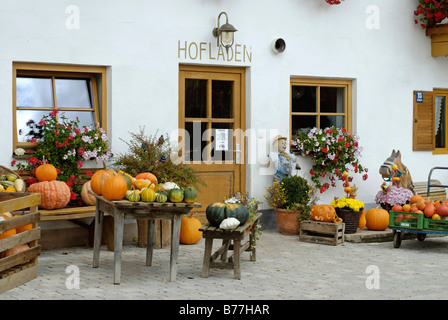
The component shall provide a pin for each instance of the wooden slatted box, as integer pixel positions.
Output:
(21, 267)
(322, 232)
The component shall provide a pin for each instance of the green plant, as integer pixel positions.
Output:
(334, 151)
(430, 12)
(292, 191)
(152, 154)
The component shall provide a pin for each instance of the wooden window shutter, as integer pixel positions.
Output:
(423, 128)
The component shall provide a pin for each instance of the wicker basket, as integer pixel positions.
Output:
(4, 170)
(350, 218)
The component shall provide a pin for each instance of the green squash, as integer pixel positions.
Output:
(217, 212)
(190, 195)
(161, 197)
(134, 197)
(176, 195)
(148, 195)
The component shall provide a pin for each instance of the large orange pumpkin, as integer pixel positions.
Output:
(189, 230)
(88, 198)
(46, 172)
(54, 194)
(98, 179)
(323, 213)
(114, 188)
(147, 176)
(377, 219)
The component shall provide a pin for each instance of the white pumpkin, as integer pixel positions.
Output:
(229, 223)
(169, 185)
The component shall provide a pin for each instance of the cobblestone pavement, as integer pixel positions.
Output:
(285, 269)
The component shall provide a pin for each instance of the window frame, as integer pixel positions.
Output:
(319, 82)
(439, 93)
(97, 75)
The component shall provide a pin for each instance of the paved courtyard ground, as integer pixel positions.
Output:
(286, 269)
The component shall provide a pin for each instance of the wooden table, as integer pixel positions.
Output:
(123, 209)
(236, 236)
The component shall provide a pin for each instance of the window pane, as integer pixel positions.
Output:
(332, 99)
(222, 142)
(222, 99)
(304, 99)
(194, 144)
(73, 93)
(329, 121)
(195, 98)
(26, 124)
(86, 118)
(34, 92)
(303, 122)
(440, 125)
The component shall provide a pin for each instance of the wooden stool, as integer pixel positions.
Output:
(237, 235)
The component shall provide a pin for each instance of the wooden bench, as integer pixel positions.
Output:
(236, 236)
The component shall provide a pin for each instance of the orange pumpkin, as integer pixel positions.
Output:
(362, 220)
(114, 188)
(9, 232)
(429, 210)
(416, 198)
(323, 213)
(88, 198)
(46, 172)
(147, 176)
(189, 230)
(377, 219)
(54, 194)
(98, 179)
(23, 228)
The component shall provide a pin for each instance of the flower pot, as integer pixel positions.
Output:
(350, 218)
(288, 221)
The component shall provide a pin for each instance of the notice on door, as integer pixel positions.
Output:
(222, 140)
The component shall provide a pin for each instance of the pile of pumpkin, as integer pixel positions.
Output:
(8, 233)
(374, 219)
(118, 185)
(436, 210)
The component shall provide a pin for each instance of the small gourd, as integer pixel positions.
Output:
(161, 197)
(229, 223)
(134, 196)
(148, 195)
(19, 185)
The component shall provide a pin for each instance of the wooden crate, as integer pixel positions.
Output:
(21, 267)
(322, 232)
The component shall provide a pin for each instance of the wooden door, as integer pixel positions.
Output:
(211, 122)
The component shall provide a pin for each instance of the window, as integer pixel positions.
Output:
(320, 103)
(76, 91)
(430, 121)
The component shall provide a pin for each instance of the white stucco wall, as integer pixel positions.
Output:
(139, 42)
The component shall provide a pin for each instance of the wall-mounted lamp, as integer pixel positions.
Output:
(224, 33)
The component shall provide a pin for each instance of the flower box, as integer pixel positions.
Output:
(439, 40)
